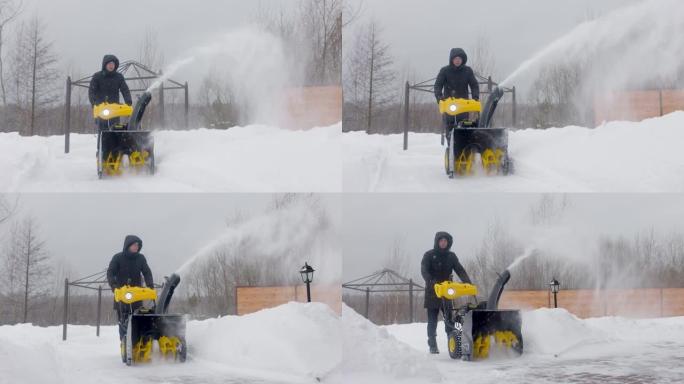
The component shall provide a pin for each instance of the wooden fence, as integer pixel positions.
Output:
(252, 299)
(636, 303)
(637, 105)
(310, 107)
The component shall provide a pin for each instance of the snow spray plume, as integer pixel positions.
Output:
(293, 234)
(641, 45)
(251, 63)
(528, 252)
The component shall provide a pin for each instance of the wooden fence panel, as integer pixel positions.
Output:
(252, 299)
(636, 303)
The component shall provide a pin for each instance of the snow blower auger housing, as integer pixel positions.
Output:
(144, 325)
(123, 146)
(480, 330)
(469, 137)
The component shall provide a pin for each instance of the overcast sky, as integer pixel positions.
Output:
(84, 31)
(373, 223)
(421, 33)
(87, 229)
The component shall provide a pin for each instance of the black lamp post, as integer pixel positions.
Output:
(307, 277)
(555, 287)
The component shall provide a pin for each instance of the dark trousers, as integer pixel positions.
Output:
(433, 318)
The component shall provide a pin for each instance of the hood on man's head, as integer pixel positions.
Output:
(458, 52)
(443, 235)
(130, 239)
(110, 58)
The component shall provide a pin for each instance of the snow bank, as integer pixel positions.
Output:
(292, 343)
(255, 158)
(372, 352)
(615, 157)
(295, 339)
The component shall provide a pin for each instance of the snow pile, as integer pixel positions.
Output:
(292, 343)
(295, 339)
(371, 352)
(255, 158)
(615, 157)
(553, 331)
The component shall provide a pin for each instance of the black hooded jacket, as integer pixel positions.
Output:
(454, 81)
(126, 266)
(437, 266)
(105, 85)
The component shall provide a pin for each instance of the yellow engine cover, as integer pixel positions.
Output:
(128, 294)
(451, 290)
(453, 106)
(106, 111)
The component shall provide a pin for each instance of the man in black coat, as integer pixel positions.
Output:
(454, 81)
(436, 267)
(128, 267)
(105, 86)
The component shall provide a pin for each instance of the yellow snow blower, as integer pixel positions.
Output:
(469, 137)
(480, 330)
(144, 325)
(124, 146)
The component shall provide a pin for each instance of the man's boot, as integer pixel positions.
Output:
(432, 343)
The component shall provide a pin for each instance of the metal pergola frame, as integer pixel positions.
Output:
(141, 80)
(428, 86)
(92, 282)
(384, 281)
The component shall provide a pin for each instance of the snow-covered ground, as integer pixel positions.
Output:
(241, 159)
(292, 343)
(559, 348)
(615, 157)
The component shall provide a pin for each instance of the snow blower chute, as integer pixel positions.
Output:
(469, 137)
(144, 325)
(122, 146)
(480, 330)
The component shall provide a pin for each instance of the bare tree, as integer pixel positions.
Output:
(483, 61)
(149, 54)
(34, 73)
(554, 94)
(26, 266)
(7, 208)
(9, 10)
(322, 23)
(370, 78)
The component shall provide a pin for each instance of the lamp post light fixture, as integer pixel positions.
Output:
(554, 285)
(307, 273)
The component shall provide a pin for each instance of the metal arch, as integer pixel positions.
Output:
(384, 281)
(93, 282)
